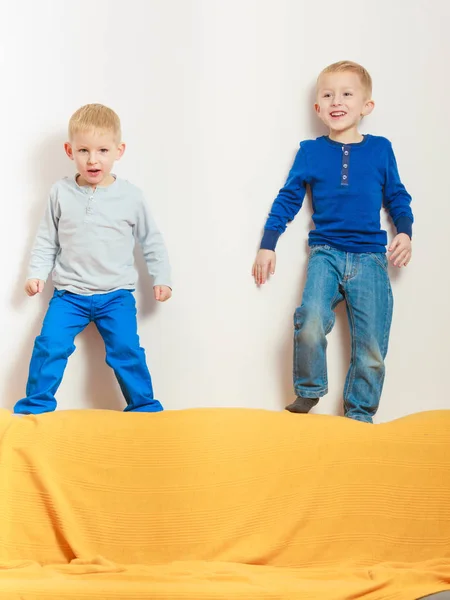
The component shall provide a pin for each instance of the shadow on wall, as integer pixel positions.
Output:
(101, 388)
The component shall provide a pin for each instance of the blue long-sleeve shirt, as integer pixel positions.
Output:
(349, 184)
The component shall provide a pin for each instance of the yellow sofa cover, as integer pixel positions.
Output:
(223, 504)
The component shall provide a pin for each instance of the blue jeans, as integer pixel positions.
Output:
(68, 314)
(361, 280)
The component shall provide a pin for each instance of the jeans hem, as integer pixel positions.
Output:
(151, 407)
(311, 395)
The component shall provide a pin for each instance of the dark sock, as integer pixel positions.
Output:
(302, 405)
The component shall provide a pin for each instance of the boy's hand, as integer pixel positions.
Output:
(162, 292)
(401, 250)
(34, 286)
(264, 264)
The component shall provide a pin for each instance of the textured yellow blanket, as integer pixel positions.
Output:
(223, 504)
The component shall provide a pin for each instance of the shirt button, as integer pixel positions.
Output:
(346, 153)
(345, 166)
(344, 177)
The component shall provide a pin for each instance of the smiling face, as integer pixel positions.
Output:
(342, 100)
(94, 152)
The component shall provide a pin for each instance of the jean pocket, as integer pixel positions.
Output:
(380, 259)
(127, 299)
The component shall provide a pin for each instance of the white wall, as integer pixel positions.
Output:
(214, 97)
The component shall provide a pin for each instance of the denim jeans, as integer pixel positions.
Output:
(68, 314)
(361, 280)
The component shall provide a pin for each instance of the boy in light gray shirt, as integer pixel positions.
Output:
(86, 239)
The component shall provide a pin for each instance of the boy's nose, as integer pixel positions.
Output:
(92, 159)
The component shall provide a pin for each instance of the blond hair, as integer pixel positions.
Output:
(95, 116)
(348, 65)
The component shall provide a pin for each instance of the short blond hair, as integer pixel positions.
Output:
(95, 116)
(348, 65)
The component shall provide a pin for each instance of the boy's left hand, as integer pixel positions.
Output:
(401, 250)
(162, 292)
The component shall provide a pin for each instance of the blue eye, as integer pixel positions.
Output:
(104, 150)
(82, 150)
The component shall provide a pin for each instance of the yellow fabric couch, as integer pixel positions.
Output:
(223, 504)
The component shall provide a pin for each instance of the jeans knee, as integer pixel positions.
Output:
(53, 345)
(311, 323)
(124, 350)
(371, 356)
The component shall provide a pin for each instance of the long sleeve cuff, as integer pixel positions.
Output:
(162, 281)
(404, 225)
(269, 239)
(38, 274)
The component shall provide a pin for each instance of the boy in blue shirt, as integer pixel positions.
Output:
(351, 176)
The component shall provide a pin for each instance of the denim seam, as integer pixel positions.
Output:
(387, 326)
(355, 267)
(352, 369)
(378, 261)
(314, 249)
(319, 394)
(327, 330)
(333, 305)
(388, 320)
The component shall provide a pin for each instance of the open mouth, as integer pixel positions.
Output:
(337, 114)
(93, 171)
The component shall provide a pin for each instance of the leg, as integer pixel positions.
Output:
(313, 321)
(369, 307)
(66, 317)
(115, 318)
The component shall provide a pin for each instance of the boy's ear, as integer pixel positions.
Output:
(69, 150)
(121, 150)
(368, 108)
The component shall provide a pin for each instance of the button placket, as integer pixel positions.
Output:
(345, 165)
(90, 202)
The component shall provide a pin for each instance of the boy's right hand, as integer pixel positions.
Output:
(264, 264)
(34, 286)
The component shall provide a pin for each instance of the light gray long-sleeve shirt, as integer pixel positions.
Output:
(87, 237)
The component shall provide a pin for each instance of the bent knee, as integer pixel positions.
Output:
(312, 323)
(371, 357)
(55, 343)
